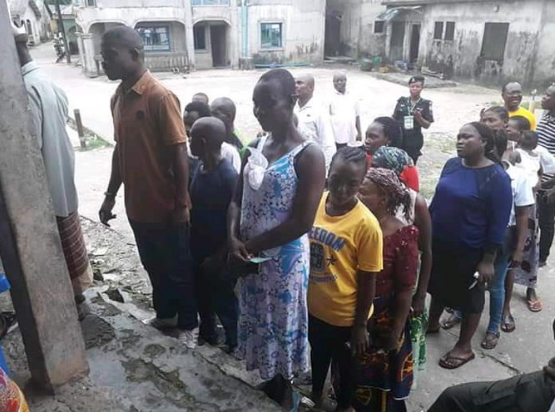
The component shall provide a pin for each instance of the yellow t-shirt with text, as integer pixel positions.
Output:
(527, 114)
(340, 246)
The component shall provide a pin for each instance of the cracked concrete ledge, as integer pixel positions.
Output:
(135, 368)
(148, 372)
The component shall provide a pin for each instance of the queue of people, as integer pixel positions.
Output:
(329, 245)
(316, 253)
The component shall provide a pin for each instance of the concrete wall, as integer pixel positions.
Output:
(140, 3)
(462, 56)
(303, 30)
(97, 20)
(357, 26)
(217, 15)
(543, 71)
(87, 16)
(204, 58)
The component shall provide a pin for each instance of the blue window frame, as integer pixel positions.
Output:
(271, 35)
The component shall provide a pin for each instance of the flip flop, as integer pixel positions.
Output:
(445, 364)
(451, 322)
(535, 305)
(490, 340)
(508, 324)
(296, 401)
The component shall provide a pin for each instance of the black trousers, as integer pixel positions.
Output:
(547, 225)
(340, 145)
(532, 392)
(216, 297)
(165, 255)
(327, 343)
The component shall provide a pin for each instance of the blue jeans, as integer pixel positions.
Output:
(165, 255)
(497, 291)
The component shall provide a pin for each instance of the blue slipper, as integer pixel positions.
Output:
(296, 402)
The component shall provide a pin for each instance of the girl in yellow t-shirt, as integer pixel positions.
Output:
(345, 255)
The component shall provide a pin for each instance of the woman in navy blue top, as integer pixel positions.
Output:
(470, 212)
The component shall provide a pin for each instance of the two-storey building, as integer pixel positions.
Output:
(32, 15)
(198, 34)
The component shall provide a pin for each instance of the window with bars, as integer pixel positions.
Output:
(155, 38)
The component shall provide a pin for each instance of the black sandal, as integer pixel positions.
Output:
(508, 324)
(490, 340)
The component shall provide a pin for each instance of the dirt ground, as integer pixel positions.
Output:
(122, 292)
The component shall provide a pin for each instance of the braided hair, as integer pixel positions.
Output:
(500, 111)
(350, 154)
(396, 192)
(494, 141)
(392, 130)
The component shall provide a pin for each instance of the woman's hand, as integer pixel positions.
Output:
(516, 259)
(418, 304)
(360, 341)
(486, 272)
(389, 341)
(238, 251)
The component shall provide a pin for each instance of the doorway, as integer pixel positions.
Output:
(414, 43)
(397, 40)
(218, 41)
(332, 45)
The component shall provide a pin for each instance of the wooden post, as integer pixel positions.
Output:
(29, 241)
(80, 130)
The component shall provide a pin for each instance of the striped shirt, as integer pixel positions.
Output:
(546, 138)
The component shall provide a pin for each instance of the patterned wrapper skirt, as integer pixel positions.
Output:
(527, 273)
(75, 252)
(383, 380)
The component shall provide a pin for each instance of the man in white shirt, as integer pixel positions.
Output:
(345, 114)
(48, 106)
(314, 121)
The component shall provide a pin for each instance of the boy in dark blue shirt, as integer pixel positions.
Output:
(211, 191)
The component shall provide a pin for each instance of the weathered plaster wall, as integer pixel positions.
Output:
(97, 20)
(462, 56)
(357, 26)
(217, 15)
(543, 71)
(303, 30)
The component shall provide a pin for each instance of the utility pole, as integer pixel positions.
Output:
(30, 245)
(62, 29)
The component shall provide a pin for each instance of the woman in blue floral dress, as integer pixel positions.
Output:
(273, 209)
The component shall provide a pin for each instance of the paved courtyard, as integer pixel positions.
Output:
(525, 350)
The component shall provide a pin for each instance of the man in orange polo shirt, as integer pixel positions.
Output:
(150, 159)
